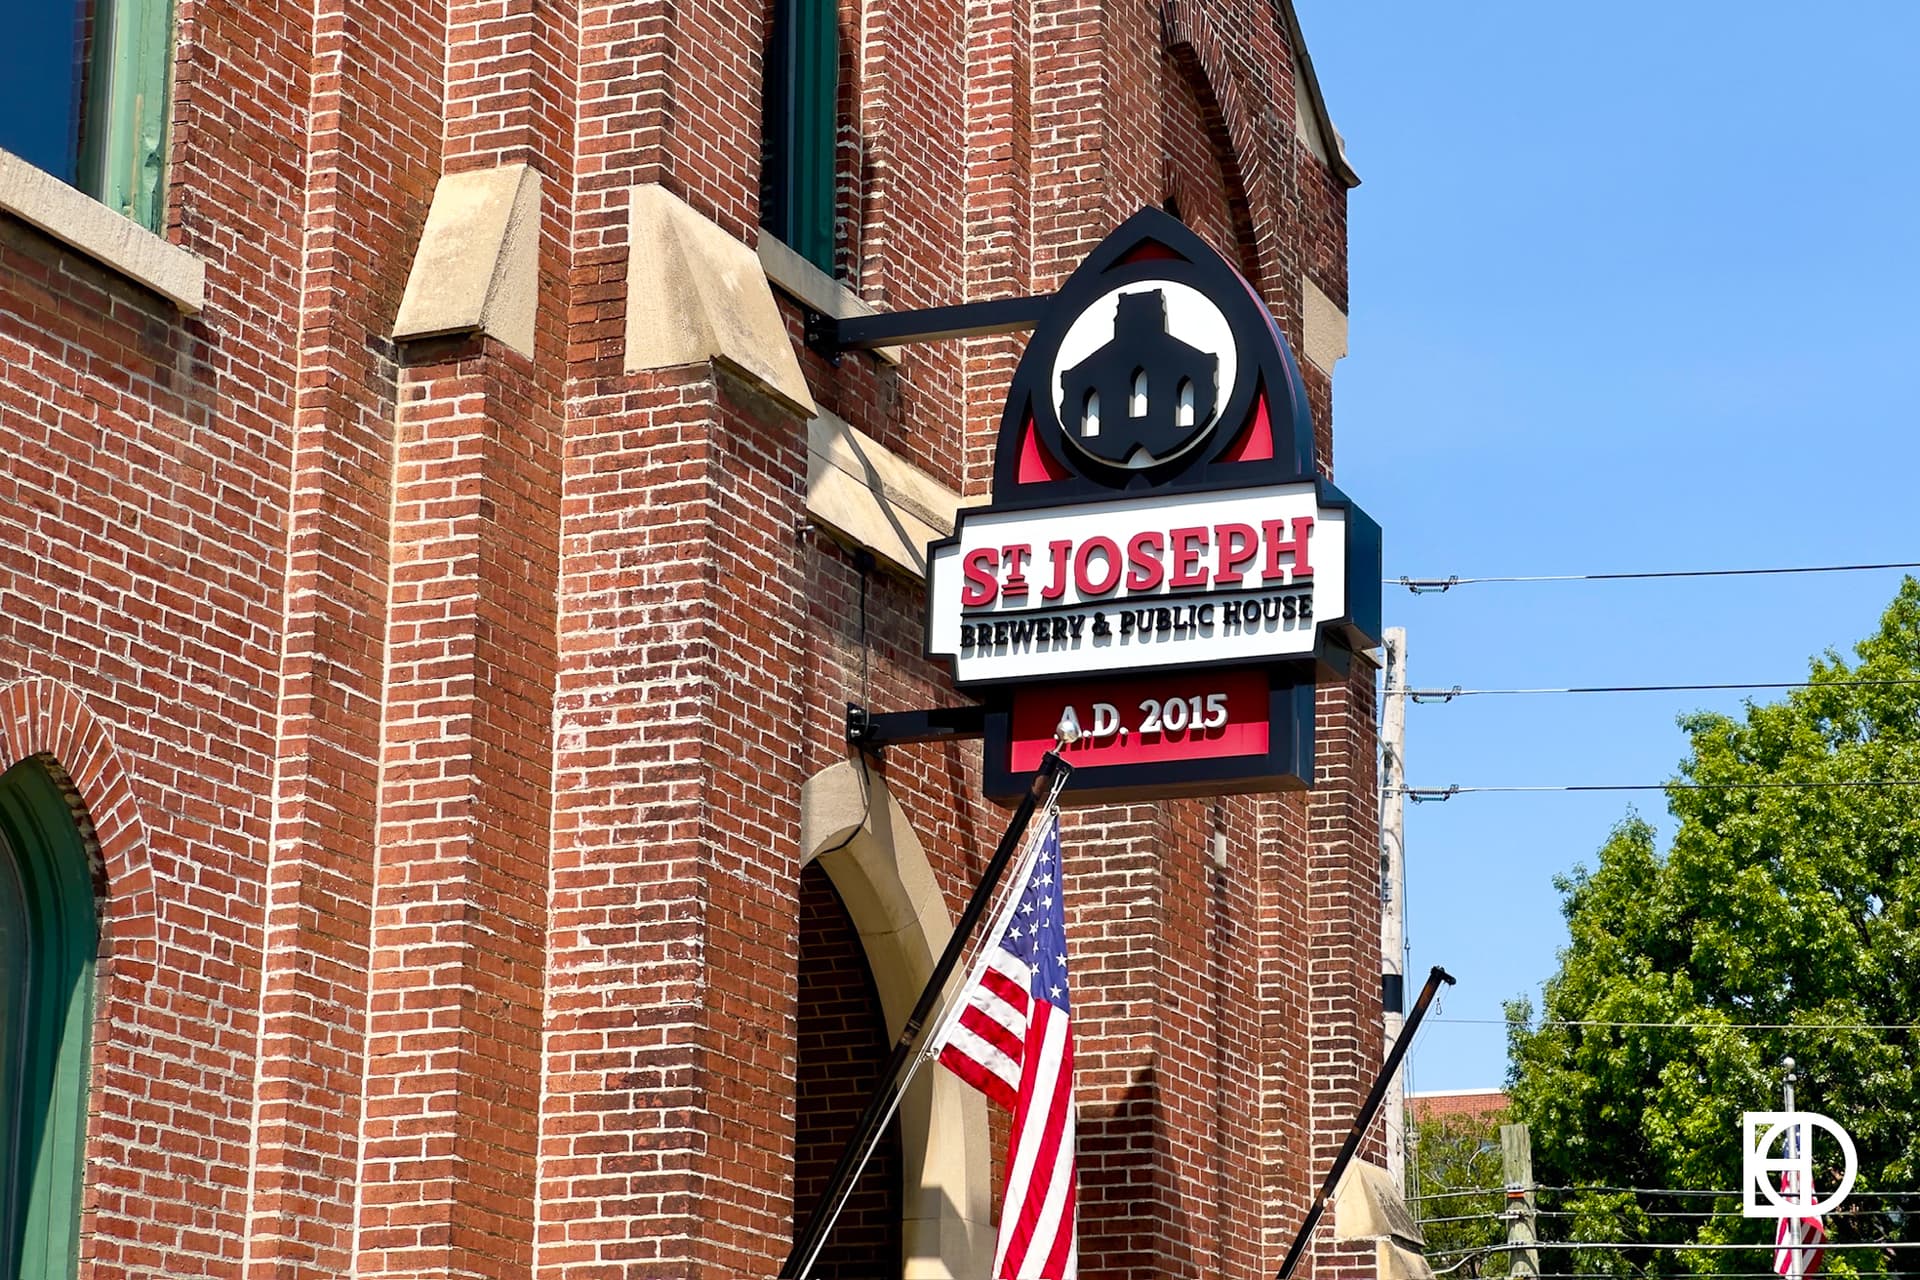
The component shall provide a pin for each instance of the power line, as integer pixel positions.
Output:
(1649, 1213)
(1420, 586)
(1464, 1191)
(1424, 795)
(1732, 1195)
(1496, 1215)
(1425, 696)
(1667, 1244)
(1686, 1026)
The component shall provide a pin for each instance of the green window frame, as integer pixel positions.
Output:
(83, 96)
(49, 935)
(801, 102)
(123, 138)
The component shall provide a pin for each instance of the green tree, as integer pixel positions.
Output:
(1456, 1174)
(1796, 905)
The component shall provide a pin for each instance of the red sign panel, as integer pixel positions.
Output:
(1204, 715)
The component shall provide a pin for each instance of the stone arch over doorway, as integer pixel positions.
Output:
(851, 824)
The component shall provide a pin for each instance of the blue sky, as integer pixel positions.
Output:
(1633, 288)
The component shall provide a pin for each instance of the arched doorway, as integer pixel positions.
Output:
(857, 834)
(842, 1045)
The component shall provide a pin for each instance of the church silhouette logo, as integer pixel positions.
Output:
(1144, 391)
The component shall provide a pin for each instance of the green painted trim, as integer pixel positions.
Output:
(815, 108)
(123, 132)
(802, 116)
(45, 1121)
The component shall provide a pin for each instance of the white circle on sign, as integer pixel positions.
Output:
(1192, 317)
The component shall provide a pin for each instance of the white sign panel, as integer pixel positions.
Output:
(1235, 575)
(1792, 1195)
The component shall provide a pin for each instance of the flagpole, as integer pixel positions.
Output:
(1795, 1258)
(853, 1158)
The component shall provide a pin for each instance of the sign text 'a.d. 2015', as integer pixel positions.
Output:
(1161, 557)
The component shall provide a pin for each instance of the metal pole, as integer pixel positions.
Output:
(840, 1183)
(1368, 1109)
(1794, 1256)
(1393, 888)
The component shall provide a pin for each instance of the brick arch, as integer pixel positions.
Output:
(42, 717)
(1199, 52)
(851, 824)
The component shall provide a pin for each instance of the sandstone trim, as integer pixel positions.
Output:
(478, 265)
(1323, 327)
(120, 244)
(813, 288)
(874, 498)
(696, 294)
(851, 823)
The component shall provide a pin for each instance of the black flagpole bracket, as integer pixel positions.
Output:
(872, 732)
(832, 335)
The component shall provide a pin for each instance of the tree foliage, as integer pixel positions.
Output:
(1457, 1176)
(1797, 906)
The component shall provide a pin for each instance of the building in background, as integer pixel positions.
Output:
(1478, 1107)
(430, 592)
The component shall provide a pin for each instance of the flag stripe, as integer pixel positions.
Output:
(1797, 1238)
(1003, 1065)
(983, 1078)
(993, 1033)
(1042, 1162)
(1047, 1243)
(1013, 1040)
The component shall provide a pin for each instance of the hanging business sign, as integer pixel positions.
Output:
(1161, 559)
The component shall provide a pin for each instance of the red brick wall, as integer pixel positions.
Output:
(442, 713)
(842, 1044)
(1471, 1106)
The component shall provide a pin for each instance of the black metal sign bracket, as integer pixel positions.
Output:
(871, 732)
(831, 335)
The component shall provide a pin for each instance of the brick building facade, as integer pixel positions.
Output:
(428, 605)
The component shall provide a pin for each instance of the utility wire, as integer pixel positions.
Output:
(1424, 795)
(1694, 1191)
(1420, 586)
(1647, 1213)
(1424, 696)
(1500, 1215)
(1768, 1247)
(1689, 1026)
(1464, 1191)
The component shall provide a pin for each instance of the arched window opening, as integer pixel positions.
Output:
(1090, 415)
(1183, 415)
(49, 934)
(843, 1044)
(1137, 406)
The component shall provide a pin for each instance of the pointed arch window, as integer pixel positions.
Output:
(49, 934)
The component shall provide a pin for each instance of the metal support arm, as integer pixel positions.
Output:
(831, 335)
(870, 732)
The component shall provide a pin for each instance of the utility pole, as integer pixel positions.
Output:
(1516, 1163)
(1393, 884)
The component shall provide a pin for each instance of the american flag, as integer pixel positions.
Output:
(1797, 1241)
(1012, 1041)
